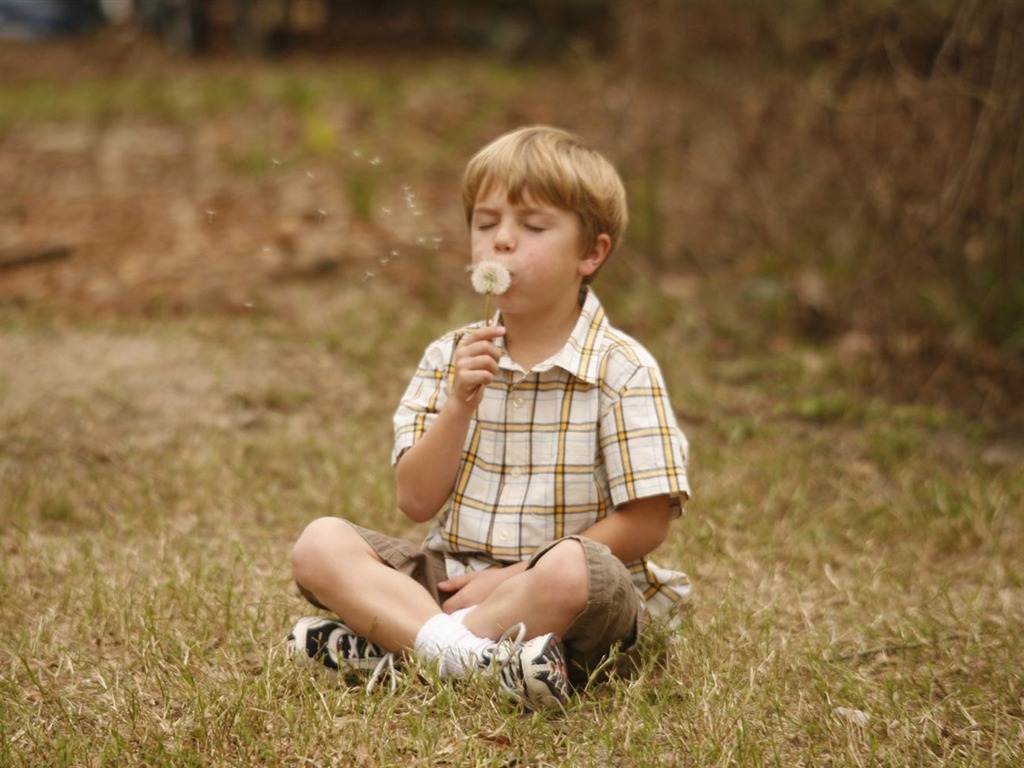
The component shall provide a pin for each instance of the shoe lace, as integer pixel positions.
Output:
(385, 668)
(512, 639)
(505, 655)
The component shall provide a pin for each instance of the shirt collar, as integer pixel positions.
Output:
(579, 355)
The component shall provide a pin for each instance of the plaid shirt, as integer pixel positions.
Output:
(551, 451)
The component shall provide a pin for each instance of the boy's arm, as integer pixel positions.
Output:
(426, 472)
(635, 529)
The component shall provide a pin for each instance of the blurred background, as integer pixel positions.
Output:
(845, 175)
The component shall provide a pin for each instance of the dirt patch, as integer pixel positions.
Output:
(120, 214)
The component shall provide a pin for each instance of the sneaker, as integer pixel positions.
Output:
(532, 671)
(334, 645)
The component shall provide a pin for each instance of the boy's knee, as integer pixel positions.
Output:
(321, 539)
(564, 570)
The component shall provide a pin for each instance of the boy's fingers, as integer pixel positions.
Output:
(480, 346)
(477, 364)
(452, 583)
(476, 378)
(488, 334)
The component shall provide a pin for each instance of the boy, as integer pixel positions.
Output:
(543, 445)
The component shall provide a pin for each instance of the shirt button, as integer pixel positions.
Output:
(517, 401)
(516, 471)
(503, 535)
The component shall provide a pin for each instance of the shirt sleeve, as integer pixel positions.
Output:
(644, 450)
(427, 392)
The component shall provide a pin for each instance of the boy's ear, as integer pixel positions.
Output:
(594, 258)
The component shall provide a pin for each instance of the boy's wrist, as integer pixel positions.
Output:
(460, 407)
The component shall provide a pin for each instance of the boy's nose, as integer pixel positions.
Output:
(504, 240)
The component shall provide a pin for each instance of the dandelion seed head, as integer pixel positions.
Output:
(490, 277)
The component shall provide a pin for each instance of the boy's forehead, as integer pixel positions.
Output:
(499, 194)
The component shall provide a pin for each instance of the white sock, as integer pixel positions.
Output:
(461, 614)
(445, 640)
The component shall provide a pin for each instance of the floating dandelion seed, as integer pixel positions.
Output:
(210, 214)
(375, 160)
(490, 277)
(410, 201)
(321, 215)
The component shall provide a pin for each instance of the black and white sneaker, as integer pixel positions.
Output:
(532, 671)
(334, 645)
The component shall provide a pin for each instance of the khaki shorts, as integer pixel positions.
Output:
(614, 616)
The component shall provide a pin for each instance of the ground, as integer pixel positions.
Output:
(215, 277)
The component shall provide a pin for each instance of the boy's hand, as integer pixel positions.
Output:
(476, 586)
(476, 363)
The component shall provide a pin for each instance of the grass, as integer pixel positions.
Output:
(843, 566)
(859, 596)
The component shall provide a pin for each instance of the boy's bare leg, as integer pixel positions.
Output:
(336, 565)
(546, 598)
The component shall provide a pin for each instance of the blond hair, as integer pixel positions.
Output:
(554, 167)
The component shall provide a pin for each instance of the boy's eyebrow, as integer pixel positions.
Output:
(525, 210)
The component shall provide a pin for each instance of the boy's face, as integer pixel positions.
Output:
(538, 243)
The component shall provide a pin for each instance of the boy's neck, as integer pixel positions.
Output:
(531, 340)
